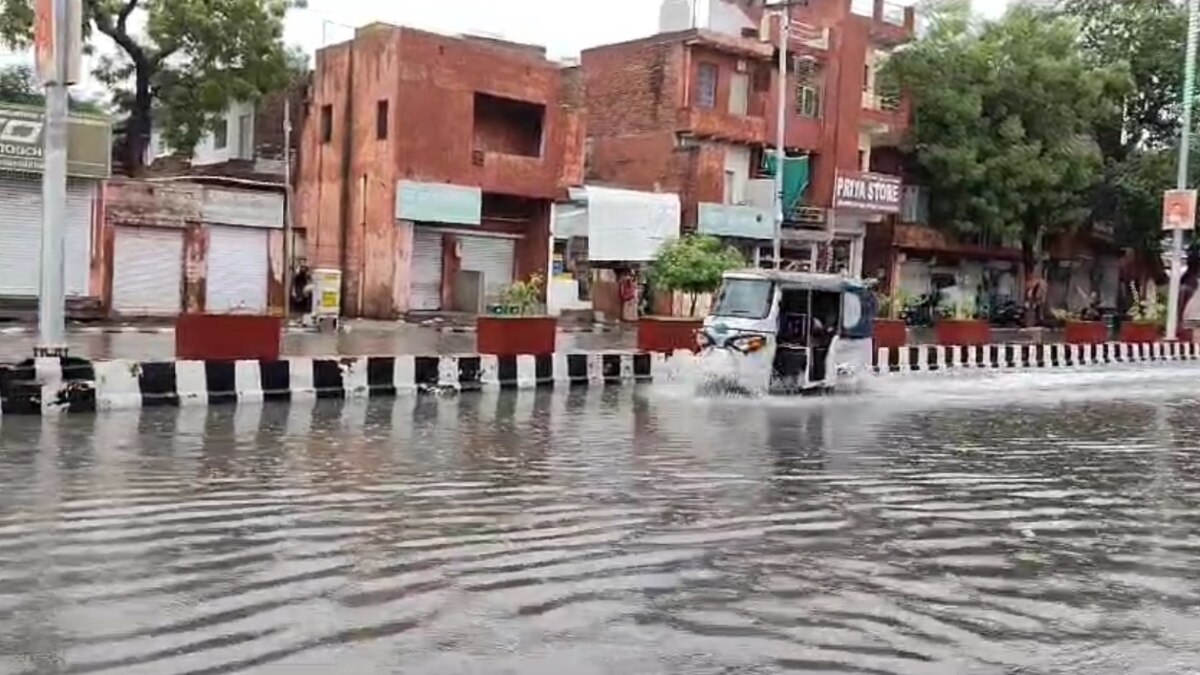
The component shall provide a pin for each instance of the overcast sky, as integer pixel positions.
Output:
(564, 27)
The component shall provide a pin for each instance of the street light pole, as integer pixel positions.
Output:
(56, 65)
(785, 21)
(1185, 138)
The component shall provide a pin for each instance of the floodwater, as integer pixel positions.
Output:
(1006, 524)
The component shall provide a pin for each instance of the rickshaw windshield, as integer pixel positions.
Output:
(747, 298)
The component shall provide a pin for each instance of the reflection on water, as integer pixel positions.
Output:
(611, 531)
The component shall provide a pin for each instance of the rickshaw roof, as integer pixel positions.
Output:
(811, 280)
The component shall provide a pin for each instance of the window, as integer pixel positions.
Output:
(221, 134)
(739, 94)
(326, 123)
(508, 126)
(381, 120)
(730, 186)
(808, 101)
(862, 161)
(706, 85)
(750, 298)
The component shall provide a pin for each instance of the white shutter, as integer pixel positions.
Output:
(147, 271)
(237, 270)
(21, 236)
(426, 288)
(493, 257)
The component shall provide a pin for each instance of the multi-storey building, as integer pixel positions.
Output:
(430, 167)
(693, 110)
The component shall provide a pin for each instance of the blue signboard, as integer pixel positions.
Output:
(438, 203)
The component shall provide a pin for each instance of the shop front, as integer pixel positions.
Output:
(21, 161)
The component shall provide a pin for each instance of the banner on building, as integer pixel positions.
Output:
(89, 143)
(1179, 210)
(58, 28)
(864, 191)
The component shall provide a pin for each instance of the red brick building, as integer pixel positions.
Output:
(431, 164)
(693, 111)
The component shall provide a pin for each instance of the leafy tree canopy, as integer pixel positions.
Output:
(1004, 121)
(694, 265)
(183, 64)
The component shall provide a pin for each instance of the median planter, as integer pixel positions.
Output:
(1085, 332)
(228, 337)
(667, 334)
(1141, 331)
(890, 333)
(516, 335)
(969, 332)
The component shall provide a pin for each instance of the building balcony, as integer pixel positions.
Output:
(721, 126)
(516, 175)
(891, 22)
(885, 117)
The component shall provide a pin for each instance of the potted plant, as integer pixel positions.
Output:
(957, 324)
(1145, 319)
(1078, 331)
(890, 329)
(517, 324)
(693, 265)
(235, 336)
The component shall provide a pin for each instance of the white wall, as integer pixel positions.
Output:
(737, 161)
(206, 151)
(720, 16)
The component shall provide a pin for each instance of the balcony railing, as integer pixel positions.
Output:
(882, 101)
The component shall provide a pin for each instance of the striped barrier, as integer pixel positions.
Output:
(44, 386)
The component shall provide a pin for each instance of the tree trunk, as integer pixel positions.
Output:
(137, 131)
(1030, 261)
(692, 311)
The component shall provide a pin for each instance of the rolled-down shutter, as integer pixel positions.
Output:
(493, 257)
(425, 292)
(21, 236)
(147, 271)
(237, 270)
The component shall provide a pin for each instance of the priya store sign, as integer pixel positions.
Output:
(862, 191)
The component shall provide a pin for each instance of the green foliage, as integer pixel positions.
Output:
(193, 58)
(19, 85)
(962, 309)
(1003, 121)
(890, 306)
(1145, 310)
(694, 265)
(523, 298)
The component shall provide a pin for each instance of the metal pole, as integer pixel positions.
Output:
(52, 296)
(781, 129)
(289, 252)
(1185, 139)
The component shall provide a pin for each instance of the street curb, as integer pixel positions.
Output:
(120, 330)
(587, 330)
(52, 386)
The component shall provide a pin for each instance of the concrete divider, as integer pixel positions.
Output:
(48, 386)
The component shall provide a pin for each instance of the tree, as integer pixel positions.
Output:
(18, 85)
(191, 60)
(694, 265)
(1004, 116)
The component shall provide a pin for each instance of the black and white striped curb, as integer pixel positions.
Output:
(13, 331)
(932, 358)
(75, 385)
(569, 330)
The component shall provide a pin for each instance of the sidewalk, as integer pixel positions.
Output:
(361, 338)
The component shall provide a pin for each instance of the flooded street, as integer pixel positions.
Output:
(1022, 523)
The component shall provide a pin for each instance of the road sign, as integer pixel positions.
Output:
(1179, 210)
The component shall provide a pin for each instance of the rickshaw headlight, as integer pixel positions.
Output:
(748, 344)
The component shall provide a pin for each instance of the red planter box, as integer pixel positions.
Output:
(227, 337)
(890, 333)
(1138, 332)
(1186, 335)
(1086, 332)
(950, 332)
(667, 334)
(516, 335)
